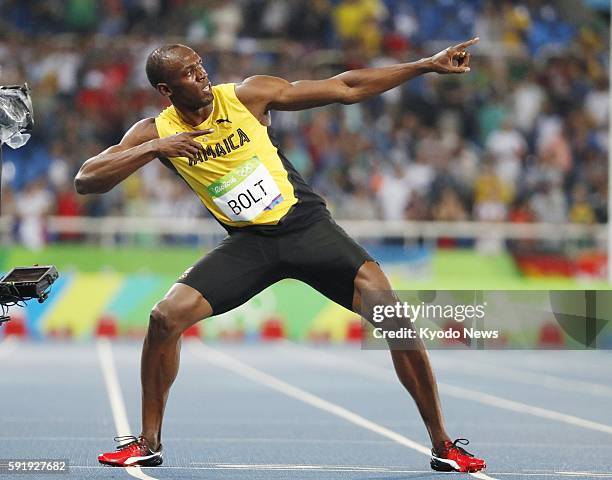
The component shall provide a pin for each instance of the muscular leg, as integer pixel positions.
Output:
(182, 307)
(412, 366)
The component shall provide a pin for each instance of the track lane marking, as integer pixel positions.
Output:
(374, 371)
(550, 363)
(113, 388)
(532, 378)
(227, 362)
(340, 468)
(8, 345)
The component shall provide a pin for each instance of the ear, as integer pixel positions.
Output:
(164, 89)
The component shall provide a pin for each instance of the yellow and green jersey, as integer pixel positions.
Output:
(240, 176)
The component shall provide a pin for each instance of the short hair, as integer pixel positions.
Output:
(157, 63)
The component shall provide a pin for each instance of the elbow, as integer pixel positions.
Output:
(80, 185)
(83, 186)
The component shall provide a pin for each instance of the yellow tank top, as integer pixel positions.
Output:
(240, 176)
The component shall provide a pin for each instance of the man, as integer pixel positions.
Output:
(216, 139)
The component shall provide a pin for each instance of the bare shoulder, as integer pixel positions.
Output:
(259, 85)
(258, 91)
(141, 132)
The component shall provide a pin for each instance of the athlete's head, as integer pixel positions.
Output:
(176, 71)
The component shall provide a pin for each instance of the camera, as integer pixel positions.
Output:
(25, 283)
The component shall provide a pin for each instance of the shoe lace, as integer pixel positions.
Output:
(126, 440)
(462, 441)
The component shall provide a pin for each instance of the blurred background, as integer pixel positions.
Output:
(495, 179)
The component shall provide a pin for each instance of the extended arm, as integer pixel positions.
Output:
(139, 146)
(263, 93)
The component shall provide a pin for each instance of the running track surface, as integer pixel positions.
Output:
(285, 411)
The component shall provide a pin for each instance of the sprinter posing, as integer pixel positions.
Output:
(217, 139)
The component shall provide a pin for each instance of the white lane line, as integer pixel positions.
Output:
(229, 363)
(573, 360)
(8, 346)
(569, 361)
(585, 474)
(285, 440)
(495, 401)
(529, 378)
(122, 426)
(318, 468)
(380, 373)
(341, 468)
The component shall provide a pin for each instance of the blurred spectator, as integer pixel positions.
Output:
(549, 204)
(491, 207)
(420, 173)
(394, 192)
(450, 207)
(528, 98)
(489, 186)
(521, 212)
(417, 208)
(508, 147)
(358, 205)
(581, 210)
(597, 102)
(530, 120)
(298, 156)
(31, 206)
(358, 21)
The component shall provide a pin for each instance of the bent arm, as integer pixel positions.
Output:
(101, 173)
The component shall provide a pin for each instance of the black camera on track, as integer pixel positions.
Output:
(25, 283)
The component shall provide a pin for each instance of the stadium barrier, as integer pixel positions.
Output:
(100, 292)
(107, 231)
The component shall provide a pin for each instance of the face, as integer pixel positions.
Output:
(188, 82)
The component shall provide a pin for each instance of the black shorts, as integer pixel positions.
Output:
(244, 263)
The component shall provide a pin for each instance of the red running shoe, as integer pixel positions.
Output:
(453, 458)
(134, 452)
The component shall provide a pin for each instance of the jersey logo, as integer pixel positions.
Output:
(221, 148)
(244, 170)
(223, 120)
(185, 273)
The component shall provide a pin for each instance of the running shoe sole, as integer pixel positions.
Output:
(150, 461)
(446, 465)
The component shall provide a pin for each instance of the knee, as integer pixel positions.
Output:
(170, 318)
(371, 279)
(372, 289)
(164, 321)
(182, 307)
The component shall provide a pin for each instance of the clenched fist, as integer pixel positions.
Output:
(180, 145)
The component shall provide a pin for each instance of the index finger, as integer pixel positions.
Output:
(466, 44)
(199, 133)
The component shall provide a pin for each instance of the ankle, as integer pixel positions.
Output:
(441, 444)
(151, 441)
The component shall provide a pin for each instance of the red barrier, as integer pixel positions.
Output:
(354, 332)
(551, 335)
(192, 332)
(273, 329)
(107, 327)
(16, 326)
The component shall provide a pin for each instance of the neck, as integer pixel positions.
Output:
(194, 117)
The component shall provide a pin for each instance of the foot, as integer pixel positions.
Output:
(453, 458)
(135, 451)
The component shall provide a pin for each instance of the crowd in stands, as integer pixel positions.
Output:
(522, 137)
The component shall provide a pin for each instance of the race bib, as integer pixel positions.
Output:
(245, 192)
